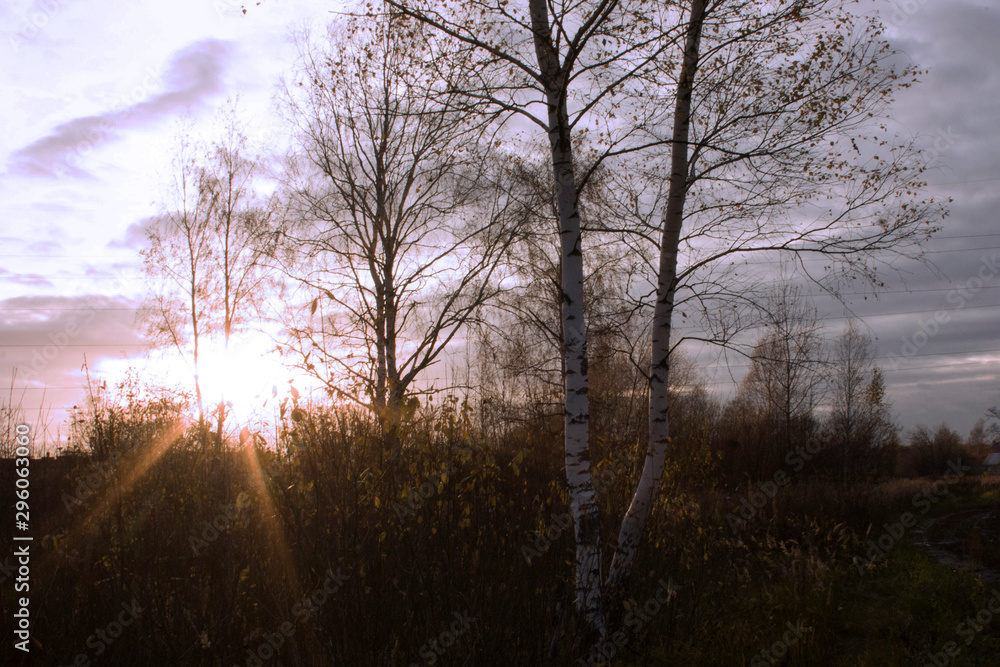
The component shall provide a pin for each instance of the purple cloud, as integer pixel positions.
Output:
(135, 236)
(28, 279)
(194, 73)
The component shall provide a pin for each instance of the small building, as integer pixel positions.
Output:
(992, 463)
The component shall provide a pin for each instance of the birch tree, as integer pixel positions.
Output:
(786, 380)
(244, 237)
(536, 62)
(860, 417)
(178, 260)
(207, 255)
(780, 149)
(520, 344)
(746, 127)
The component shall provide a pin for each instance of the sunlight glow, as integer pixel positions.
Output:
(250, 377)
(246, 374)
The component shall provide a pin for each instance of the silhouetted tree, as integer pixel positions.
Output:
(401, 223)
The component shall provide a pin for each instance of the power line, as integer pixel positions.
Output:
(830, 317)
(923, 368)
(936, 252)
(908, 312)
(884, 370)
(71, 345)
(901, 291)
(133, 257)
(885, 357)
(965, 236)
(821, 256)
(982, 180)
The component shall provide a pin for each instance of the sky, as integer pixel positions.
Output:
(97, 92)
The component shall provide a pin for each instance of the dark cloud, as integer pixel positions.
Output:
(956, 103)
(194, 74)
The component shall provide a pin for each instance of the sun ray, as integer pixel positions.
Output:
(124, 482)
(269, 515)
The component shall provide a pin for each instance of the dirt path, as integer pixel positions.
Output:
(946, 548)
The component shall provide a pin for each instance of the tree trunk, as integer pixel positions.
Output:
(394, 386)
(656, 450)
(202, 431)
(577, 411)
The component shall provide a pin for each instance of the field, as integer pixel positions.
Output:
(458, 551)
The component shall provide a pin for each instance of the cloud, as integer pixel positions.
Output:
(27, 279)
(135, 235)
(45, 337)
(194, 73)
(956, 381)
(45, 247)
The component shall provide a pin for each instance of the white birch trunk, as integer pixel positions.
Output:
(656, 450)
(586, 518)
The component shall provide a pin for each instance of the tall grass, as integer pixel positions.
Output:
(13, 413)
(308, 548)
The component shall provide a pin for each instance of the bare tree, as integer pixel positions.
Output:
(522, 338)
(558, 66)
(993, 419)
(786, 380)
(860, 417)
(178, 260)
(208, 256)
(245, 236)
(402, 220)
